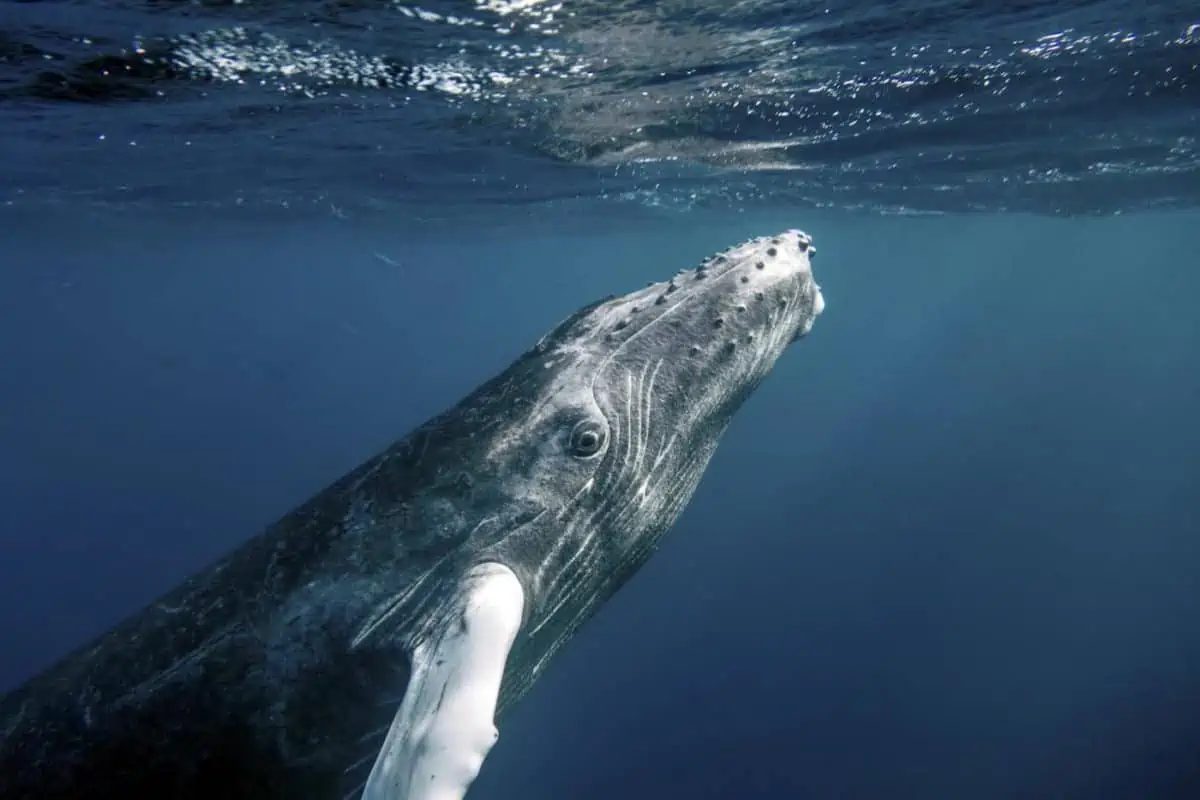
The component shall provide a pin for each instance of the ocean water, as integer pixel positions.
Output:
(948, 550)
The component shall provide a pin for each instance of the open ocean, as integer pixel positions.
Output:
(950, 550)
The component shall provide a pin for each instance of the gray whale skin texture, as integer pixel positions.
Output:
(366, 643)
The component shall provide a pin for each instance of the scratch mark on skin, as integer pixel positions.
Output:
(14, 722)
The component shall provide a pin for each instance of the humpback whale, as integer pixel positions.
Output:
(365, 645)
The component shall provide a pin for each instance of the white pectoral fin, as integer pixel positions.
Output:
(446, 723)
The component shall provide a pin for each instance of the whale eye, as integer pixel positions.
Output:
(587, 439)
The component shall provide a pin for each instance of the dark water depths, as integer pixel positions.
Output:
(452, 108)
(949, 550)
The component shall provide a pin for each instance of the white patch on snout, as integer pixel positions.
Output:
(445, 726)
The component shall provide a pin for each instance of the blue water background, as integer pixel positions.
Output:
(948, 550)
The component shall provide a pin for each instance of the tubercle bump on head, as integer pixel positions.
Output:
(761, 250)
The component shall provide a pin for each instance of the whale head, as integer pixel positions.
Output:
(569, 466)
(606, 426)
